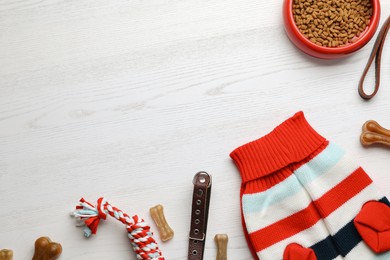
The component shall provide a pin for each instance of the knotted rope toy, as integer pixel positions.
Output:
(139, 232)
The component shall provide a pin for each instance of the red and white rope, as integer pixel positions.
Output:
(139, 232)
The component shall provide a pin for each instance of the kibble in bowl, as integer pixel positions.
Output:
(330, 29)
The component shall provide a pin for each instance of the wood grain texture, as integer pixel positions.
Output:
(129, 99)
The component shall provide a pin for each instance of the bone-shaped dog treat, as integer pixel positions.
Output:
(372, 133)
(45, 249)
(221, 240)
(165, 231)
(6, 254)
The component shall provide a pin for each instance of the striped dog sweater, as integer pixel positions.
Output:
(302, 197)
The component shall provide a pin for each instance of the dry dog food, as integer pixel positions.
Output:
(332, 23)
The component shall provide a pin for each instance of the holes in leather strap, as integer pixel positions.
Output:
(196, 231)
(195, 241)
(197, 221)
(198, 202)
(199, 192)
(197, 212)
(194, 252)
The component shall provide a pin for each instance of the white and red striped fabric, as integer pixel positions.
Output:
(300, 195)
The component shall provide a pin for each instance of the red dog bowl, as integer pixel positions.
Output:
(322, 52)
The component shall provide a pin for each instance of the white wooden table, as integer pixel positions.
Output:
(128, 99)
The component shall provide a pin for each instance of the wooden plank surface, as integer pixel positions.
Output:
(129, 99)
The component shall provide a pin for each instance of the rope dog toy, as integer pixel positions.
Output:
(139, 232)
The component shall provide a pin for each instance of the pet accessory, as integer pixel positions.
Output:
(165, 231)
(139, 232)
(376, 55)
(221, 241)
(6, 254)
(199, 215)
(373, 133)
(300, 195)
(45, 249)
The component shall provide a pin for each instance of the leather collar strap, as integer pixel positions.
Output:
(199, 215)
(375, 54)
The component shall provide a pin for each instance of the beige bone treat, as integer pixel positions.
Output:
(372, 133)
(45, 249)
(221, 240)
(157, 213)
(6, 254)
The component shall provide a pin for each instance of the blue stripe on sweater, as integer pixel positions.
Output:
(325, 249)
(321, 164)
(308, 172)
(342, 242)
(385, 200)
